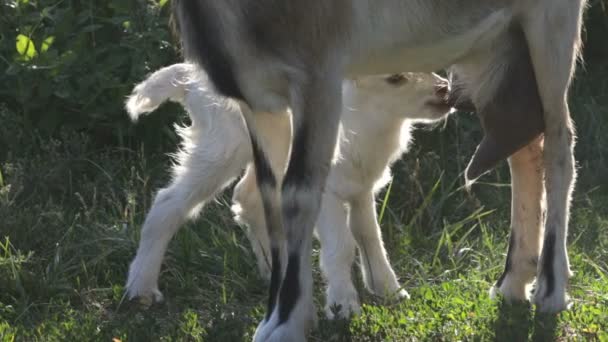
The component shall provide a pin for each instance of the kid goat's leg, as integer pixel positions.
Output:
(201, 179)
(248, 211)
(337, 257)
(316, 105)
(552, 29)
(378, 275)
(527, 211)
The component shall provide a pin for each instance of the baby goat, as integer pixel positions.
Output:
(274, 54)
(377, 117)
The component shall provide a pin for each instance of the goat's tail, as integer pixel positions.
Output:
(168, 83)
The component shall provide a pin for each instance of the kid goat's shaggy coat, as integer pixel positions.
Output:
(376, 118)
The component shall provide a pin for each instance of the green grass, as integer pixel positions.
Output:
(70, 214)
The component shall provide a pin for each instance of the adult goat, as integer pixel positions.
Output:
(273, 54)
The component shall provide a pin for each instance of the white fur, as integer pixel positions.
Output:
(215, 149)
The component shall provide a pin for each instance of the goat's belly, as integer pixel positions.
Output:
(421, 59)
(393, 54)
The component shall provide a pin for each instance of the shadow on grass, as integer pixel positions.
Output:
(332, 330)
(181, 321)
(518, 322)
(545, 327)
(230, 327)
(514, 322)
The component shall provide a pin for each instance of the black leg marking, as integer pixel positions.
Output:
(290, 291)
(275, 281)
(263, 171)
(297, 172)
(508, 264)
(265, 178)
(548, 257)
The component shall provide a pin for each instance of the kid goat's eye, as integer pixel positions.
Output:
(396, 79)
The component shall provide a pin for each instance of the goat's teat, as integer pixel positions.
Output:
(396, 79)
(442, 91)
(459, 101)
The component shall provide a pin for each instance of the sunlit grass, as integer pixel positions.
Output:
(70, 219)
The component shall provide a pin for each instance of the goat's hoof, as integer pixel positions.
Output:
(511, 291)
(553, 302)
(145, 298)
(342, 305)
(394, 294)
(385, 284)
(402, 294)
(507, 297)
(295, 327)
(550, 292)
(269, 331)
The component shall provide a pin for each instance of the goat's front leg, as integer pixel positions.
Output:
(527, 211)
(338, 249)
(316, 105)
(553, 29)
(378, 274)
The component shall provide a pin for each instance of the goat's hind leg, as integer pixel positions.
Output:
(316, 105)
(267, 185)
(248, 212)
(527, 211)
(552, 29)
(338, 250)
(378, 275)
(275, 128)
(201, 179)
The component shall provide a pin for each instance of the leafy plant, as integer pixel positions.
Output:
(69, 63)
